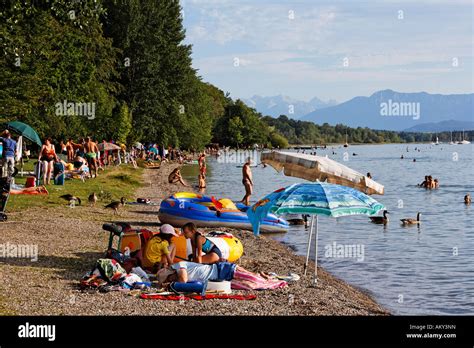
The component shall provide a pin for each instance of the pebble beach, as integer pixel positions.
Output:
(71, 240)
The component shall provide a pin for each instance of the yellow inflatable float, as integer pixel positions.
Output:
(230, 246)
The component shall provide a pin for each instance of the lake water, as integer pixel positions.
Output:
(409, 270)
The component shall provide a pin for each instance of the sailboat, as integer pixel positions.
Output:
(437, 141)
(463, 141)
(346, 144)
(451, 142)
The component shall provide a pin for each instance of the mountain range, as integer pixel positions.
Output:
(283, 105)
(390, 110)
(449, 125)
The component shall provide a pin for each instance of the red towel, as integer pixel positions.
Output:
(197, 297)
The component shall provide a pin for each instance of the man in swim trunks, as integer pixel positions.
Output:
(247, 181)
(91, 150)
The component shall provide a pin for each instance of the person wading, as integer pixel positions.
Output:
(247, 181)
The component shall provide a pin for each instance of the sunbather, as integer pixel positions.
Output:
(240, 278)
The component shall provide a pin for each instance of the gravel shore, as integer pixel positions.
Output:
(71, 240)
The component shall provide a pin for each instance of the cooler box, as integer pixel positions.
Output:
(30, 181)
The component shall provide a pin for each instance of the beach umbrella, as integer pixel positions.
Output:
(314, 199)
(319, 168)
(108, 147)
(25, 130)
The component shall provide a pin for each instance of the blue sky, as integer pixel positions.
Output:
(332, 49)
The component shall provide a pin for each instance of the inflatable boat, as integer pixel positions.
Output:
(230, 246)
(204, 211)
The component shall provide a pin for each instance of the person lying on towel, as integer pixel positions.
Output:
(240, 278)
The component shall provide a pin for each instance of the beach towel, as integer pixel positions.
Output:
(40, 190)
(19, 148)
(245, 280)
(197, 297)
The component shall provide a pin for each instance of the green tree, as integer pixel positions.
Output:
(124, 124)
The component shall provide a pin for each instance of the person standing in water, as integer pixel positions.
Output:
(247, 181)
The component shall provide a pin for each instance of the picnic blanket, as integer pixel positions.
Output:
(245, 280)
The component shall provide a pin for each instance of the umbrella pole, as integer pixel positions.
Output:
(316, 255)
(309, 245)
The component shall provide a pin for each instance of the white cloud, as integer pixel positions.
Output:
(262, 26)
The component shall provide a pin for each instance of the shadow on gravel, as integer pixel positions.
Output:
(144, 212)
(137, 223)
(68, 268)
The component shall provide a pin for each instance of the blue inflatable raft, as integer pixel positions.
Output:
(183, 207)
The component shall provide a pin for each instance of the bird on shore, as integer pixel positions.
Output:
(92, 199)
(70, 198)
(409, 221)
(116, 205)
(380, 219)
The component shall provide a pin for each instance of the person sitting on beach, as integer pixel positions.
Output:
(175, 176)
(160, 251)
(80, 163)
(201, 244)
(467, 199)
(240, 278)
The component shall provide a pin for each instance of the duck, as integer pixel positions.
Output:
(116, 205)
(409, 221)
(380, 219)
(92, 199)
(70, 198)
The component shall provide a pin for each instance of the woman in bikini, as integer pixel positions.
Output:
(47, 156)
(201, 244)
(175, 177)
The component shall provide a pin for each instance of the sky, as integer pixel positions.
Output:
(332, 49)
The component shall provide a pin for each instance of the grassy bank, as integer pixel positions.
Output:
(113, 183)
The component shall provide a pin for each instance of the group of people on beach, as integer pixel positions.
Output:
(206, 262)
(83, 157)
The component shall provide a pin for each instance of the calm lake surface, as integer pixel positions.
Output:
(409, 270)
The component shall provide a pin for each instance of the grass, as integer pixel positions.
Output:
(113, 183)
